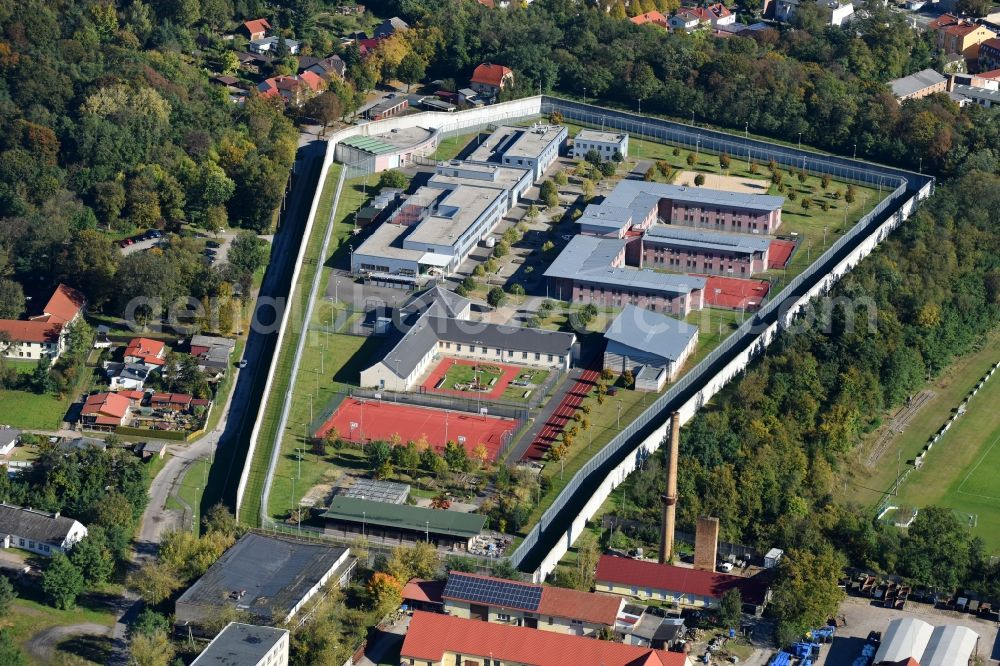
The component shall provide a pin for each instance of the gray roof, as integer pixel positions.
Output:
(378, 491)
(589, 259)
(597, 135)
(428, 330)
(50, 528)
(83, 443)
(978, 93)
(8, 435)
(914, 83)
(240, 644)
(212, 341)
(630, 193)
(153, 447)
(707, 240)
(438, 301)
(276, 573)
(651, 332)
(134, 371)
(649, 373)
(390, 26)
(656, 628)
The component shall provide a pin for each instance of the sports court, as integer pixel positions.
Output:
(367, 420)
(439, 380)
(779, 253)
(733, 293)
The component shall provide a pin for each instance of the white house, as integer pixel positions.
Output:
(606, 144)
(839, 12)
(269, 44)
(128, 376)
(43, 336)
(9, 437)
(38, 531)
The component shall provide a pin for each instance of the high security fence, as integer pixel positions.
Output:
(781, 310)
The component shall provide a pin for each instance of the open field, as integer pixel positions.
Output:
(860, 485)
(714, 181)
(29, 618)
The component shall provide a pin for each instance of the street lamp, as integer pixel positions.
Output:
(585, 94)
(619, 414)
(364, 519)
(800, 140)
(427, 531)
(855, 150)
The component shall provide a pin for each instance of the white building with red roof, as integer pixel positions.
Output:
(489, 79)
(146, 351)
(43, 335)
(436, 640)
(255, 29)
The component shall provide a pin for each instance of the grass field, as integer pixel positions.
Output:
(960, 472)
(29, 617)
(460, 374)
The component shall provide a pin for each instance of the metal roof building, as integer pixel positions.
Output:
(707, 240)
(906, 637)
(950, 645)
(911, 638)
(639, 338)
(378, 491)
(246, 645)
(402, 522)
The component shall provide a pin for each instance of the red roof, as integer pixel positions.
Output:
(424, 591)
(489, 74)
(106, 404)
(175, 399)
(30, 331)
(993, 73)
(993, 43)
(135, 396)
(312, 80)
(256, 25)
(943, 20)
(146, 350)
(431, 635)
(649, 17)
(64, 305)
(576, 605)
(651, 575)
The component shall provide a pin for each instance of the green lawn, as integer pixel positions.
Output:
(536, 377)
(28, 617)
(449, 148)
(460, 376)
(960, 472)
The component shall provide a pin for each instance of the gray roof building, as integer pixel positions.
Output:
(707, 240)
(406, 518)
(651, 332)
(632, 193)
(981, 96)
(8, 438)
(267, 577)
(438, 302)
(378, 491)
(45, 531)
(593, 259)
(912, 85)
(390, 27)
(246, 645)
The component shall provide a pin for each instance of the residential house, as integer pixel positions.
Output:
(252, 62)
(128, 376)
(255, 29)
(425, 595)
(989, 55)
(437, 640)
(489, 599)
(716, 15)
(268, 579)
(314, 83)
(44, 335)
(38, 531)
(291, 89)
(270, 45)
(638, 338)
(489, 79)
(146, 351)
(960, 36)
(390, 27)
(105, 410)
(214, 354)
(682, 587)
(327, 68)
(923, 83)
(839, 11)
(150, 450)
(653, 18)
(174, 402)
(686, 19)
(9, 438)
(246, 645)
(82, 444)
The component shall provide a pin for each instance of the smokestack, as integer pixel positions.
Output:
(670, 498)
(706, 543)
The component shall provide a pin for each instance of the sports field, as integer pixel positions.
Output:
(369, 420)
(961, 471)
(727, 292)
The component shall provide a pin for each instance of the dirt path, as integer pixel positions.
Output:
(41, 647)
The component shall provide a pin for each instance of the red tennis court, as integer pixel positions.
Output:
(779, 252)
(509, 372)
(367, 420)
(733, 293)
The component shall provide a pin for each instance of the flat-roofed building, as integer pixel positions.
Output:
(267, 578)
(640, 338)
(534, 148)
(593, 270)
(683, 249)
(514, 181)
(605, 144)
(443, 640)
(490, 599)
(432, 233)
(403, 523)
(246, 645)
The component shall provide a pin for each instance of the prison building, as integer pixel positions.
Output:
(605, 144)
(639, 338)
(687, 250)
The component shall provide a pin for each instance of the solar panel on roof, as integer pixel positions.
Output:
(505, 593)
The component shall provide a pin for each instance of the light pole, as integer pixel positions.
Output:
(619, 414)
(427, 531)
(692, 117)
(364, 519)
(855, 150)
(824, 238)
(746, 130)
(800, 140)
(697, 147)
(585, 94)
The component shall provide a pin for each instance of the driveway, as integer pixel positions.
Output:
(41, 647)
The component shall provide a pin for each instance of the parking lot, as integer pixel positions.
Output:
(863, 617)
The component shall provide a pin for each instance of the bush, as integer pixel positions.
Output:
(792, 195)
(479, 271)
(561, 178)
(675, 152)
(691, 159)
(393, 178)
(607, 168)
(650, 173)
(496, 297)
(724, 160)
(501, 249)
(699, 180)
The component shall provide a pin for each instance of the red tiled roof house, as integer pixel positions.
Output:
(255, 29)
(146, 352)
(654, 17)
(105, 410)
(489, 79)
(476, 597)
(45, 334)
(176, 402)
(437, 640)
(686, 588)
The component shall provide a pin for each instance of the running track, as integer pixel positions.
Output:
(563, 413)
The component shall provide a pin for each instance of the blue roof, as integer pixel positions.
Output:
(589, 258)
(651, 332)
